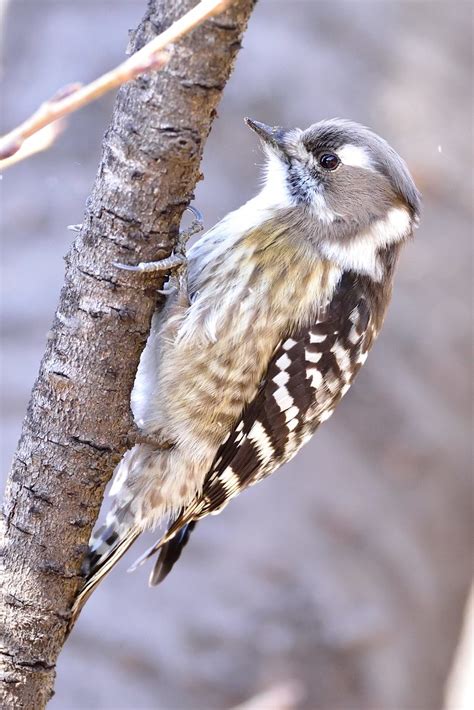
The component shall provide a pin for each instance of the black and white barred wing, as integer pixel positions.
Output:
(309, 373)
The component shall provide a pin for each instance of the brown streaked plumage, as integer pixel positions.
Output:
(283, 300)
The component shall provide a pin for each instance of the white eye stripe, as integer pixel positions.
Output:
(356, 156)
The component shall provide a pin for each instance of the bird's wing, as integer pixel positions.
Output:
(310, 371)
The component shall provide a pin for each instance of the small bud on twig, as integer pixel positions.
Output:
(152, 56)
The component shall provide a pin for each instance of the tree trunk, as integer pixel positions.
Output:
(78, 418)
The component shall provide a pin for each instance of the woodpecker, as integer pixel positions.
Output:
(268, 318)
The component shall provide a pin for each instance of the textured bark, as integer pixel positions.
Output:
(78, 419)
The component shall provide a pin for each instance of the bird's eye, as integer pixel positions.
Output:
(329, 161)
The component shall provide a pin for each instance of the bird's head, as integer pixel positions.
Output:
(347, 178)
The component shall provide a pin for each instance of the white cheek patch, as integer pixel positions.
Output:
(395, 226)
(361, 252)
(355, 155)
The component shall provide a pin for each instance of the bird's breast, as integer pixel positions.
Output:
(244, 300)
(270, 278)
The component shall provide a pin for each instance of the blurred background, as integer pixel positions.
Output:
(345, 577)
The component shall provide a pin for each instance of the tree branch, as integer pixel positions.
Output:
(74, 96)
(78, 418)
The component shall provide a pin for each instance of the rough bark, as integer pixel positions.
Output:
(78, 419)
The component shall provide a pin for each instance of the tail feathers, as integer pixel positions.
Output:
(121, 518)
(98, 565)
(170, 553)
(123, 525)
(107, 545)
(150, 551)
(107, 549)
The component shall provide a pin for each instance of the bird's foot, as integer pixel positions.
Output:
(177, 261)
(195, 227)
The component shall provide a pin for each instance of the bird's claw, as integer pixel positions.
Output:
(177, 260)
(174, 261)
(195, 227)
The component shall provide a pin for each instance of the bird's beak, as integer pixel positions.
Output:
(273, 136)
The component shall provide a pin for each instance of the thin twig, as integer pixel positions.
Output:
(42, 140)
(74, 96)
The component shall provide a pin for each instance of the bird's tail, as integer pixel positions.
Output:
(122, 527)
(111, 541)
(98, 571)
(169, 547)
(170, 552)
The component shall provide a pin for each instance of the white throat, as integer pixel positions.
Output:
(275, 191)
